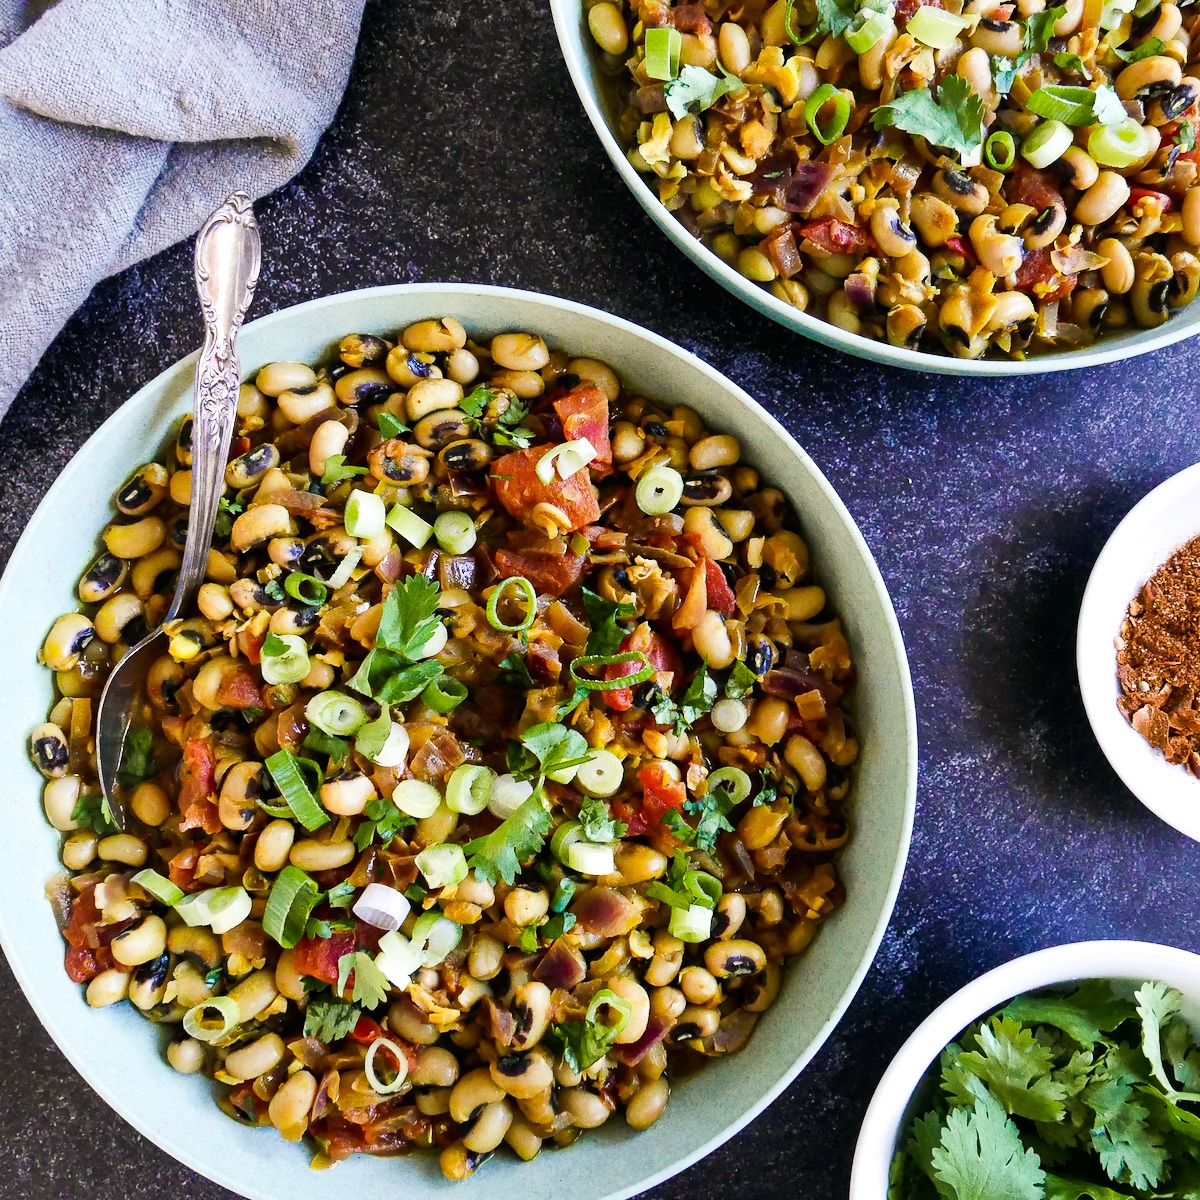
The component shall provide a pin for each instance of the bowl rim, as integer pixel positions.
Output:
(1166, 790)
(179, 1148)
(1043, 968)
(567, 24)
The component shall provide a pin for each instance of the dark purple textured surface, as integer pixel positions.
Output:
(461, 153)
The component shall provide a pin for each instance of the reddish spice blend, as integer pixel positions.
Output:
(1158, 659)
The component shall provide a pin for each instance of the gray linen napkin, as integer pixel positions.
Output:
(123, 123)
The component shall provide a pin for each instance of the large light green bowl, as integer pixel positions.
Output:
(118, 1053)
(583, 62)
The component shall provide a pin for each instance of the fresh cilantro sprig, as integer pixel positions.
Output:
(499, 854)
(392, 672)
(370, 986)
(227, 512)
(391, 426)
(951, 119)
(833, 17)
(1185, 136)
(507, 431)
(336, 470)
(741, 681)
(92, 812)
(137, 759)
(329, 1019)
(598, 822)
(383, 821)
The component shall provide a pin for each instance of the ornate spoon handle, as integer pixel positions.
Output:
(228, 254)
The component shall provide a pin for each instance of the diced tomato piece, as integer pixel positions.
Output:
(659, 652)
(961, 246)
(318, 957)
(834, 236)
(197, 786)
(632, 817)
(720, 594)
(1038, 277)
(518, 488)
(252, 644)
(1038, 189)
(239, 689)
(182, 868)
(662, 794)
(83, 913)
(550, 574)
(1140, 193)
(81, 965)
(366, 1031)
(583, 412)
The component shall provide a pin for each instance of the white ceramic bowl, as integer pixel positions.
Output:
(582, 57)
(1157, 526)
(889, 1112)
(119, 1054)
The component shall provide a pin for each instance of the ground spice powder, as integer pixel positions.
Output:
(1158, 659)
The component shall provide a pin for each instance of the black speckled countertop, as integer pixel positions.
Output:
(461, 153)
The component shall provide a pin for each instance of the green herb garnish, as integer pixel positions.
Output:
(336, 470)
(952, 120)
(330, 1020)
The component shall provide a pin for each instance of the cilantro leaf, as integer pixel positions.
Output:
(741, 681)
(1148, 49)
(555, 746)
(1086, 1014)
(925, 1138)
(499, 854)
(699, 697)
(322, 927)
(370, 983)
(329, 1020)
(1067, 1189)
(1185, 136)
(1072, 62)
(385, 676)
(383, 820)
(1004, 71)
(606, 635)
(581, 1044)
(1156, 1005)
(1017, 1069)
(341, 896)
(833, 16)
(981, 1156)
(694, 89)
(514, 673)
(1039, 29)
(92, 812)
(390, 426)
(335, 748)
(477, 400)
(953, 120)
(408, 621)
(1130, 1150)
(713, 809)
(137, 759)
(336, 470)
(597, 821)
(227, 510)
(1183, 1055)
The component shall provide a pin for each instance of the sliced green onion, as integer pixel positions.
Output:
(284, 658)
(292, 898)
(566, 835)
(935, 27)
(345, 569)
(1114, 12)
(1118, 145)
(733, 781)
(1049, 141)
(365, 515)
(442, 865)
(1000, 150)
(324, 743)
(565, 460)
(1065, 103)
(602, 773)
(285, 771)
(658, 491)
(382, 906)
(444, 694)
(159, 886)
(438, 935)
(221, 909)
(409, 526)
(704, 888)
(691, 924)
(383, 740)
(589, 859)
(617, 1004)
(836, 126)
(308, 589)
(399, 959)
(415, 798)
(528, 595)
(196, 1024)
(862, 37)
(468, 789)
(336, 713)
(377, 1085)
(455, 532)
(729, 715)
(662, 53)
(507, 795)
(591, 661)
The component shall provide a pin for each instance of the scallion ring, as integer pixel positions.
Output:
(382, 906)
(158, 886)
(292, 898)
(588, 858)
(528, 595)
(836, 125)
(1000, 150)
(1119, 145)
(285, 769)
(606, 998)
(455, 532)
(704, 888)
(663, 47)
(335, 713)
(436, 935)
(692, 924)
(733, 781)
(345, 568)
(284, 658)
(1048, 142)
(416, 798)
(377, 1085)
(469, 788)
(365, 515)
(565, 460)
(658, 491)
(601, 774)
(444, 694)
(566, 835)
(308, 589)
(861, 36)
(591, 661)
(442, 865)
(219, 908)
(196, 1024)
(413, 529)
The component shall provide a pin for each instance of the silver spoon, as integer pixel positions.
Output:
(228, 253)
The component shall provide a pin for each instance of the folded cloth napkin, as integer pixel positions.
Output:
(124, 123)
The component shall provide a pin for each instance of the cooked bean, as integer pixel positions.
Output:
(648, 1103)
(143, 942)
(289, 1107)
(520, 351)
(1102, 199)
(734, 957)
(276, 378)
(311, 855)
(585, 1108)
(109, 987)
(435, 336)
(186, 1055)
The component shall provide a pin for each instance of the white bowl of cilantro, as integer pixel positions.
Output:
(1068, 1074)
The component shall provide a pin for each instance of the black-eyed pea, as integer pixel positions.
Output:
(759, 991)
(733, 958)
(637, 863)
(214, 602)
(999, 253)
(255, 1058)
(462, 366)
(958, 190)
(219, 569)
(115, 614)
(248, 469)
(708, 490)
(365, 386)
(274, 845)
(803, 603)
(807, 761)
(181, 488)
(329, 439)
(586, 1109)
(1045, 227)
(363, 350)
(842, 312)
(105, 575)
(349, 794)
(255, 994)
(1157, 70)
(240, 789)
(716, 450)
(638, 1000)
(109, 987)
(145, 941)
(1186, 279)
(432, 1101)
(407, 1021)
(975, 66)
(653, 1064)
(627, 442)
(712, 642)
(291, 1104)
(761, 824)
(1102, 200)
(484, 958)
(872, 63)
(186, 1055)
(1151, 292)
(695, 1023)
(893, 234)
(523, 1139)
(195, 942)
(474, 1091)
(457, 1162)
(1088, 306)
(700, 987)
(738, 523)
(123, 848)
(436, 1067)
(905, 325)
(1069, 21)
(489, 1127)
(519, 351)
(531, 1014)
(258, 525)
(315, 856)
(298, 405)
(728, 918)
(523, 1076)
(288, 981)
(524, 906)
(66, 641)
(648, 1103)
(769, 719)
(1012, 308)
(1080, 166)
(49, 750)
(710, 539)
(1003, 38)
(667, 1003)
(79, 850)
(434, 336)
(278, 377)
(149, 574)
(668, 958)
